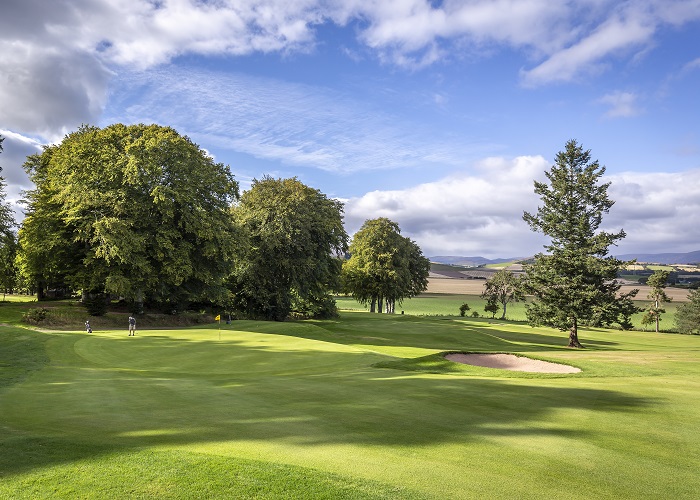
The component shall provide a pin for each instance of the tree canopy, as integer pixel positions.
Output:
(384, 266)
(575, 281)
(292, 238)
(688, 314)
(502, 288)
(137, 211)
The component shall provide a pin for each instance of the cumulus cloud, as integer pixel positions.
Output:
(658, 211)
(16, 148)
(466, 214)
(58, 56)
(481, 214)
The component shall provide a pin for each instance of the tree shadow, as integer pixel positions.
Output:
(339, 399)
(440, 334)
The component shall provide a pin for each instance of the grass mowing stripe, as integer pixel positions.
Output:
(177, 474)
(305, 396)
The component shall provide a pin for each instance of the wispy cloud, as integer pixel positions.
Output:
(291, 123)
(621, 104)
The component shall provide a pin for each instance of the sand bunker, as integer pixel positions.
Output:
(511, 362)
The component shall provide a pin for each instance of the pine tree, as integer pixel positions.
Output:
(574, 283)
(688, 314)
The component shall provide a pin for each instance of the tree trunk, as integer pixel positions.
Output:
(503, 316)
(573, 335)
(373, 305)
(380, 304)
(657, 315)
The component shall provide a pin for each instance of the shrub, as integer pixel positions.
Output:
(35, 316)
(96, 304)
(463, 309)
(475, 314)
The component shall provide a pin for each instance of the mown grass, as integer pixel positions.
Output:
(448, 305)
(364, 406)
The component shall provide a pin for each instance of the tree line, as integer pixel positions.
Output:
(142, 214)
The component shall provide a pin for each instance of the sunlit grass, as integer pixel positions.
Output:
(363, 406)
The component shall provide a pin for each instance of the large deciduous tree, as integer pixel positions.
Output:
(574, 283)
(384, 267)
(502, 288)
(290, 256)
(137, 211)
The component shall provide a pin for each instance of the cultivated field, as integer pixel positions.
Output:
(364, 406)
(476, 287)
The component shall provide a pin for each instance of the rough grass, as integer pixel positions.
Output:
(359, 407)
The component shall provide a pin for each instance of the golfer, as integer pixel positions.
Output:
(132, 326)
(88, 328)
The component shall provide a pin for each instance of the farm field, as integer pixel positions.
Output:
(363, 406)
(476, 287)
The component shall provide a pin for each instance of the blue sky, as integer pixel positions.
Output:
(436, 114)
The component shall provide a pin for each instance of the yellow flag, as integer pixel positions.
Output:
(218, 317)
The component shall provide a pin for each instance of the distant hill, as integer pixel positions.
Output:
(663, 258)
(455, 260)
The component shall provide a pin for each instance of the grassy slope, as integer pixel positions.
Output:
(359, 407)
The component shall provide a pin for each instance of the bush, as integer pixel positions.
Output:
(35, 316)
(96, 304)
(463, 309)
(475, 314)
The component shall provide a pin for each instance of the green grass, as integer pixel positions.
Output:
(359, 407)
(448, 305)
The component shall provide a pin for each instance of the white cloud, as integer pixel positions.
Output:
(622, 104)
(482, 214)
(465, 214)
(58, 55)
(588, 54)
(16, 148)
(658, 211)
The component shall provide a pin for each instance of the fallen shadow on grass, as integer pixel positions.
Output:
(438, 334)
(121, 410)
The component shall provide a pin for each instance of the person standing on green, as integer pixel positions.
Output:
(132, 326)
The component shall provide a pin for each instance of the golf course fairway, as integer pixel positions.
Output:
(364, 406)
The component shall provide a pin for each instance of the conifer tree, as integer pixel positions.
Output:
(574, 282)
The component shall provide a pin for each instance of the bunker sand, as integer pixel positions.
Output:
(511, 362)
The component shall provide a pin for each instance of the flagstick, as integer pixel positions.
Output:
(219, 327)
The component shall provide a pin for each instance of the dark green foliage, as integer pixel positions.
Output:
(463, 309)
(291, 240)
(502, 288)
(574, 283)
(384, 266)
(35, 316)
(138, 211)
(96, 304)
(688, 314)
(492, 307)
